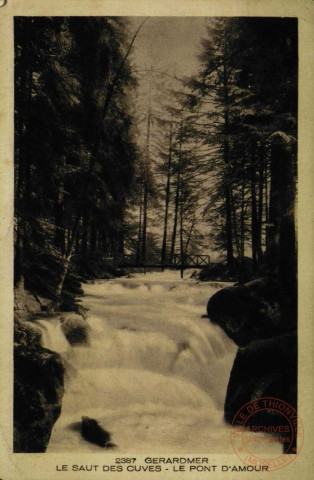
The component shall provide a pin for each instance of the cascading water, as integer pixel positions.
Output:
(154, 373)
(52, 335)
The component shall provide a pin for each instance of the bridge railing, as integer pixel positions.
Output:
(191, 260)
(155, 260)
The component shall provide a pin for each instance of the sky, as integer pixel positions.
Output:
(169, 44)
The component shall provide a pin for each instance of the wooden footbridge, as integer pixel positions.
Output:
(155, 261)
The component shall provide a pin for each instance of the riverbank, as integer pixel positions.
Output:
(145, 363)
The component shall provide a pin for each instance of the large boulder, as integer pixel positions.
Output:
(75, 329)
(38, 391)
(248, 312)
(266, 361)
(264, 368)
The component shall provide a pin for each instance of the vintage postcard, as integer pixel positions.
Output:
(156, 239)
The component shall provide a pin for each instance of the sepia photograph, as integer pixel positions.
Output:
(155, 258)
(156, 237)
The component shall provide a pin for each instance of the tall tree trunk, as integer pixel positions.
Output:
(84, 235)
(175, 220)
(139, 235)
(180, 181)
(242, 228)
(92, 238)
(144, 232)
(59, 227)
(274, 208)
(104, 244)
(282, 246)
(77, 242)
(167, 200)
(254, 227)
(259, 250)
(228, 188)
(97, 239)
(121, 241)
(229, 239)
(22, 205)
(267, 195)
(189, 236)
(19, 214)
(146, 180)
(59, 215)
(68, 237)
(181, 238)
(235, 226)
(288, 253)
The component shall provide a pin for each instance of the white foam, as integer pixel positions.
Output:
(154, 374)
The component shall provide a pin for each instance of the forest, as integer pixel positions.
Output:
(99, 173)
(124, 170)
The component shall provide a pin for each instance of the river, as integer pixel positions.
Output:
(154, 373)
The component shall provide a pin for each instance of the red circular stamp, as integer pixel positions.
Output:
(267, 433)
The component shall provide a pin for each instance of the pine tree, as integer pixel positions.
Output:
(245, 97)
(75, 149)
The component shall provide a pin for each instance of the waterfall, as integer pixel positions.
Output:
(154, 371)
(52, 335)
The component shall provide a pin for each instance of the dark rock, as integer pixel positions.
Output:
(46, 305)
(94, 433)
(219, 271)
(26, 334)
(26, 306)
(38, 391)
(248, 312)
(264, 368)
(75, 329)
(215, 271)
(266, 362)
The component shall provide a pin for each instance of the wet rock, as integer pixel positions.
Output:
(248, 312)
(216, 271)
(46, 305)
(75, 329)
(264, 368)
(25, 303)
(266, 362)
(38, 391)
(94, 433)
(28, 305)
(26, 334)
